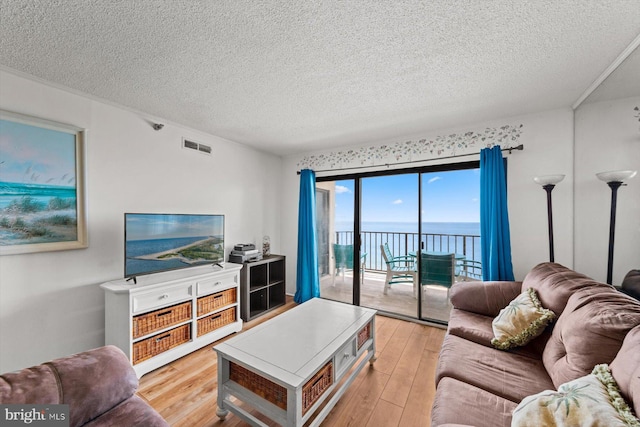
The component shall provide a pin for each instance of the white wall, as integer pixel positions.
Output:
(548, 141)
(607, 138)
(51, 304)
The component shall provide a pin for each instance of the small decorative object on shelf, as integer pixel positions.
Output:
(266, 246)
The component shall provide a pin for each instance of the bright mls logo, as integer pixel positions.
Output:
(34, 415)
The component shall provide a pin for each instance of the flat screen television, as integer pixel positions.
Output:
(162, 242)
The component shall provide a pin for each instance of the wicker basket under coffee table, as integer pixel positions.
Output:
(286, 367)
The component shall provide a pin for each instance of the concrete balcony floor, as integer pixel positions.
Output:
(399, 299)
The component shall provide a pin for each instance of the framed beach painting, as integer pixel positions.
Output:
(42, 200)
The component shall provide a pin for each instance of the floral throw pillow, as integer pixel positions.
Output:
(591, 401)
(521, 321)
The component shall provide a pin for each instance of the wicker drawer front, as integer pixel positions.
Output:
(364, 334)
(215, 301)
(316, 386)
(207, 286)
(216, 321)
(261, 386)
(154, 321)
(152, 346)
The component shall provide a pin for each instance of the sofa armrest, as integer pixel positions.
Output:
(486, 298)
(94, 381)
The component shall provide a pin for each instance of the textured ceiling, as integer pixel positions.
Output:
(295, 76)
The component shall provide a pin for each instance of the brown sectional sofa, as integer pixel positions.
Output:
(478, 385)
(98, 385)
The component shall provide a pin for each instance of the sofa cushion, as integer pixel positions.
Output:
(625, 368)
(508, 375)
(477, 328)
(520, 322)
(592, 400)
(589, 332)
(555, 283)
(486, 298)
(478, 404)
(471, 326)
(38, 384)
(94, 381)
(132, 412)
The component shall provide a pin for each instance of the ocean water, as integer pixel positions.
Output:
(39, 193)
(135, 248)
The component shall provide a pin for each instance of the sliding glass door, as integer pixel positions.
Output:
(389, 233)
(397, 241)
(450, 235)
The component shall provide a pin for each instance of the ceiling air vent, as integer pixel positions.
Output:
(192, 145)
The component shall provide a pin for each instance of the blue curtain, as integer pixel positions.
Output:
(307, 282)
(494, 219)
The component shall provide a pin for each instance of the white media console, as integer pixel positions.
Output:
(168, 315)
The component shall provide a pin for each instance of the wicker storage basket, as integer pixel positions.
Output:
(364, 334)
(316, 386)
(217, 320)
(261, 386)
(215, 301)
(153, 321)
(152, 346)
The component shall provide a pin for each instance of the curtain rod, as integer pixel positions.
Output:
(510, 149)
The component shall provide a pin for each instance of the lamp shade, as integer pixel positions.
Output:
(548, 179)
(616, 176)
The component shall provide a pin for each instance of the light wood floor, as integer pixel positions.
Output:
(398, 390)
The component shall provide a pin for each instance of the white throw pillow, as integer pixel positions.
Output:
(590, 401)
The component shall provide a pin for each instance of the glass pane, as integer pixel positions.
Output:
(390, 217)
(450, 238)
(335, 239)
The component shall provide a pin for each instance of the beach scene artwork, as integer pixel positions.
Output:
(160, 242)
(38, 186)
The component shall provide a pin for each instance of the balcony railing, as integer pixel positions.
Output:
(402, 243)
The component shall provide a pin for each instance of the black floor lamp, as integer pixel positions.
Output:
(548, 182)
(614, 179)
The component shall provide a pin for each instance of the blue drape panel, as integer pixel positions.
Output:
(494, 219)
(307, 281)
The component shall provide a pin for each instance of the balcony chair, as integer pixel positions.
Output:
(437, 270)
(343, 258)
(468, 269)
(400, 269)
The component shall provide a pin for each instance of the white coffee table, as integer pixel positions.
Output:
(286, 367)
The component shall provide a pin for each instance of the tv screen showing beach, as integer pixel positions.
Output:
(161, 242)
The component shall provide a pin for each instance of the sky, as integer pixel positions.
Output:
(160, 226)
(35, 155)
(451, 196)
